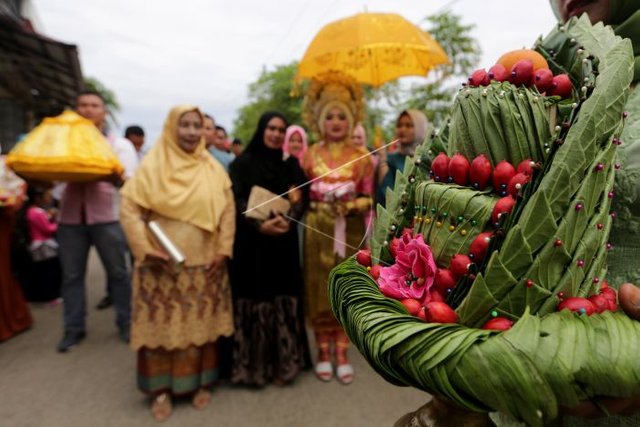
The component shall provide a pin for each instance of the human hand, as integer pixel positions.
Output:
(157, 261)
(629, 299)
(115, 178)
(215, 270)
(275, 226)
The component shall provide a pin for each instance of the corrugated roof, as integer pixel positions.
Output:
(42, 72)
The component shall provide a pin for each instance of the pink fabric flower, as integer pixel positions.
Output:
(398, 243)
(413, 273)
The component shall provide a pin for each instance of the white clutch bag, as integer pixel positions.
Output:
(263, 203)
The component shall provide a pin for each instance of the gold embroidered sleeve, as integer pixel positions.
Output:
(132, 221)
(226, 228)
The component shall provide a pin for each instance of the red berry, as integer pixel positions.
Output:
(480, 245)
(364, 257)
(526, 167)
(502, 174)
(561, 86)
(440, 167)
(610, 294)
(498, 324)
(444, 280)
(413, 306)
(439, 312)
(479, 78)
(422, 314)
(522, 72)
(436, 296)
(578, 305)
(543, 79)
(459, 169)
(516, 183)
(480, 172)
(503, 206)
(393, 246)
(499, 73)
(600, 303)
(459, 265)
(374, 271)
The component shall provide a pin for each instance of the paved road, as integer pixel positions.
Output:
(94, 385)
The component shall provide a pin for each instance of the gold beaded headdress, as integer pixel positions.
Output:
(328, 90)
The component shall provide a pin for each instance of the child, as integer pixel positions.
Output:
(41, 283)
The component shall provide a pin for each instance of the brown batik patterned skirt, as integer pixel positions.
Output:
(175, 323)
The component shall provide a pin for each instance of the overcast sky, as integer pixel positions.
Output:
(155, 54)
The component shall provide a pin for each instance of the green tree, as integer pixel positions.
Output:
(434, 98)
(113, 106)
(274, 90)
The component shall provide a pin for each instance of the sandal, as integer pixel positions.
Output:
(344, 370)
(324, 371)
(161, 407)
(324, 368)
(345, 373)
(201, 399)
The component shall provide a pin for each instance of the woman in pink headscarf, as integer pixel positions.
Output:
(295, 142)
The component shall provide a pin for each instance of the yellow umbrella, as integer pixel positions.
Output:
(64, 148)
(373, 48)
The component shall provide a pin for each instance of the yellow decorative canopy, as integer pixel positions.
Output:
(64, 148)
(373, 48)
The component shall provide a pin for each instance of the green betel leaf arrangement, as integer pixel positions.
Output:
(485, 281)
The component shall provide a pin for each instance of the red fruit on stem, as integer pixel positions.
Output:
(480, 245)
(459, 265)
(610, 294)
(480, 172)
(459, 169)
(561, 86)
(600, 303)
(503, 206)
(516, 183)
(444, 280)
(543, 79)
(499, 73)
(498, 324)
(413, 306)
(522, 73)
(393, 246)
(526, 167)
(578, 305)
(440, 167)
(422, 314)
(364, 257)
(439, 312)
(374, 271)
(502, 174)
(479, 78)
(437, 296)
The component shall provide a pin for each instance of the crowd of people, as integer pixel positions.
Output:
(238, 306)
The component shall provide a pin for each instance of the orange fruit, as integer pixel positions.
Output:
(510, 58)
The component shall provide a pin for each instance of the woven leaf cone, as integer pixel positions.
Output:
(547, 358)
(64, 148)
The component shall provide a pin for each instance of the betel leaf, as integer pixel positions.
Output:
(548, 358)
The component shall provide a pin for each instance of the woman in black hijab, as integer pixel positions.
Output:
(270, 343)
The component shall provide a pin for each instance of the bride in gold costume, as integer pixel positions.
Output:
(341, 193)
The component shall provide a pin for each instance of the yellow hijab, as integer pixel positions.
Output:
(187, 187)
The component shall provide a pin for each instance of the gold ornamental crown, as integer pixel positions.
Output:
(333, 88)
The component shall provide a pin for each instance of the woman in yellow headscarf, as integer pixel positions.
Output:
(179, 312)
